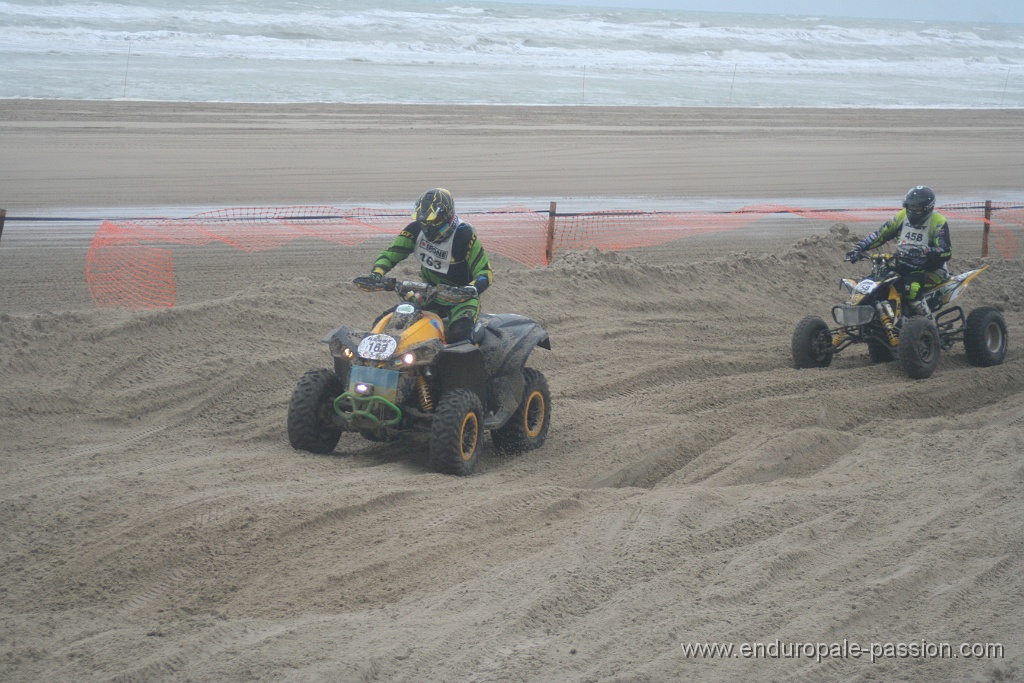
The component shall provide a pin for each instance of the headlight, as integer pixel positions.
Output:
(363, 389)
(421, 354)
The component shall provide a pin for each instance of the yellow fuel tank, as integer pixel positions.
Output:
(428, 326)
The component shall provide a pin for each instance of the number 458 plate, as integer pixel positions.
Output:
(377, 347)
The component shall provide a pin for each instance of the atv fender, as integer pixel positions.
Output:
(349, 336)
(507, 340)
(520, 351)
(504, 394)
(461, 366)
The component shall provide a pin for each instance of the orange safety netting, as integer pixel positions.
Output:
(614, 230)
(1001, 218)
(130, 265)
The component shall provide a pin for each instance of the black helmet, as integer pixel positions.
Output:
(435, 211)
(919, 203)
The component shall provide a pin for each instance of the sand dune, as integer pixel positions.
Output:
(694, 486)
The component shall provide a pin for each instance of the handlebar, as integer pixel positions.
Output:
(427, 291)
(893, 256)
(876, 258)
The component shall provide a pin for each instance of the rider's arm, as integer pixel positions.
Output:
(399, 250)
(889, 230)
(942, 246)
(480, 273)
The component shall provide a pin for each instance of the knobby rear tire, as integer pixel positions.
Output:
(527, 429)
(985, 337)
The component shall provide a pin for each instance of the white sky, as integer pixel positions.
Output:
(1002, 11)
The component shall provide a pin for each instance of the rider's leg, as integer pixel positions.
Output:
(461, 320)
(917, 283)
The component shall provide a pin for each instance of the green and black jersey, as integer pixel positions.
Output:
(457, 261)
(934, 233)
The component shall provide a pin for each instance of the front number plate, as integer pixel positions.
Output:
(377, 347)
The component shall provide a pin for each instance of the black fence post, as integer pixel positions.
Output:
(3, 217)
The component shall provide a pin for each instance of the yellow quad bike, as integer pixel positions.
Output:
(401, 379)
(875, 315)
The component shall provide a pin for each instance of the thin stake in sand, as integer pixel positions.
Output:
(124, 94)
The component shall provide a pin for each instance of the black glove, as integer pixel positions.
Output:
(452, 296)
(854, 255)
(913, 258)
(481, 283)
(910, 259)
(374, 282)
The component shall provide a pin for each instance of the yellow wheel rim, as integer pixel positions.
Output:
(533, 416)
(470, 433)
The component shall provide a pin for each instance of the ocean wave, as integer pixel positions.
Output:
(493, 43)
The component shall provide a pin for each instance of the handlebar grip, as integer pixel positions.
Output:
(410, 286)
(369, 284)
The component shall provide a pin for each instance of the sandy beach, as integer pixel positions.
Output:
(694, 488)
(117, 154)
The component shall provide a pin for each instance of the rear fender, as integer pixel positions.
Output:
(507, 341)
(520, 350)
(503, 398)
(950, 290)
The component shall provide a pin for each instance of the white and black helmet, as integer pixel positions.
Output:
(919, 203)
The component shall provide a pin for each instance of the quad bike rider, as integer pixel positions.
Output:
(408, 376)
(899, 309)
(448, 252)
(923, 247)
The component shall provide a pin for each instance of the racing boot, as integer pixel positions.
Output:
(919, 307)
(916, 306)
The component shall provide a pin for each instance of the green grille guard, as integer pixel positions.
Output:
(362, 407)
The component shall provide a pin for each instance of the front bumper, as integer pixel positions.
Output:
(853, 316)
(371, 399)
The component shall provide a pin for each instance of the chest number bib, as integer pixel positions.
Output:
(435, 257)
(913, 237)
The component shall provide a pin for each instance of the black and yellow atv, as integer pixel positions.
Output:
(876, 315)
(402, 379)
